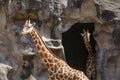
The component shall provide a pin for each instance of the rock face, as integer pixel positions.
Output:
(60, 23)
(4, 69)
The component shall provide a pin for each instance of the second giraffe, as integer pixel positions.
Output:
(90, 65)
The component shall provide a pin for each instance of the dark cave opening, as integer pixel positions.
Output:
(74, 47)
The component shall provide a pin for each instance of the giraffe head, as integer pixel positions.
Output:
(27, 28)
(86, 35)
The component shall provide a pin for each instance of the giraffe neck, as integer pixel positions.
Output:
(46, 55)
(89, 48)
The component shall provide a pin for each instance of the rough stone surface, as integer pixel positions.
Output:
(4, 70)
(53, 17)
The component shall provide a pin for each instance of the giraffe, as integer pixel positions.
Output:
(91, 65)
(57, 68)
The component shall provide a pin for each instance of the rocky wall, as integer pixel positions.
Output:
(53, 17)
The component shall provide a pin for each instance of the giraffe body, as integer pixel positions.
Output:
(58, 69)
(91, 65)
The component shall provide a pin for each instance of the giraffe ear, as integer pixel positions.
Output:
(33, 24)
(82, 34)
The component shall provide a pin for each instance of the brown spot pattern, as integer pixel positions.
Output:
(38, 47)
(35, 41)
(43, 49)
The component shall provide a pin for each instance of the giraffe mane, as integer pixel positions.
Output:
(45, 44)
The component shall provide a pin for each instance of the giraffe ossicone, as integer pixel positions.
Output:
(57, 68)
